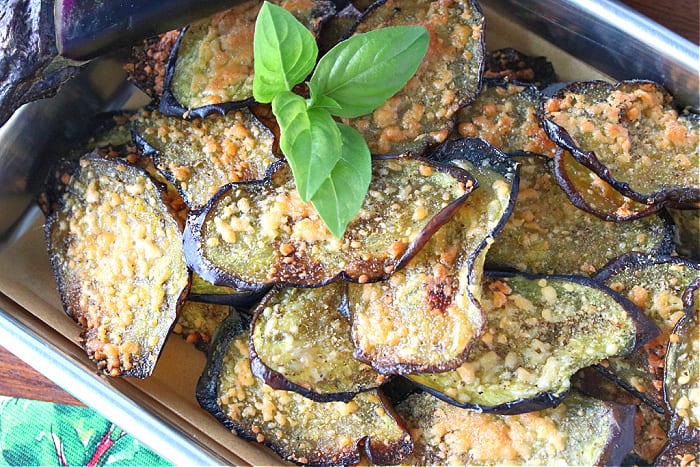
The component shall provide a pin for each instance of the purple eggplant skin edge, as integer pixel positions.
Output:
(574, 195)
(147, 150)
(674, 197)
(143, 366)
(674, 448)
(277, 380)
(646, 330)
(168, 104)
(678, 432)
(192, 238)
(475, 151)
(207, 396)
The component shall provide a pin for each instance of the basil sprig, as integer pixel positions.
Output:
(331, 162)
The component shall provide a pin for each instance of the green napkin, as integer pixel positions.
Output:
(42, 433)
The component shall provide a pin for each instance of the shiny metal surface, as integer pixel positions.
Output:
(613, 38)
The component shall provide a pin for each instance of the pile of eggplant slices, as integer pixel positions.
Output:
(519, 287)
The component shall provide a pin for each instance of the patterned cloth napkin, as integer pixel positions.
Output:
(46, 434)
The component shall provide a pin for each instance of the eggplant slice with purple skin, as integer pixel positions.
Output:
(300, 341)
(513, 65)
(687, 223)
(540, 330)
(650, 426)
(200, 156)
(256, 234)
(198, 321)
(421, 114)
(147, 63)
(580, 431)
(295, 427)
(505, 115)
(427, 314)
(210, 68)
(116, 253)
(631, 136)
(590, 193)
(655, 284)
(682, 370)
(546, 234)
(203, 291)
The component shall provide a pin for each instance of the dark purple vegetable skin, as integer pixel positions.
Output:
(513, 65)
(563, 176)
(28, 56)
(192, 238)
(674, 197)
(675, 452)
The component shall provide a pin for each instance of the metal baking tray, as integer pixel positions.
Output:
(585, 39)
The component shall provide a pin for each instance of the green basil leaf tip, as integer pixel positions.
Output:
(341, 195)
(309, 139)
(361, 73)
(285, 52)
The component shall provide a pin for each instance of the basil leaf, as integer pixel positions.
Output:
(310, 140)
(342, 194)
(284, 52)
(361, 73)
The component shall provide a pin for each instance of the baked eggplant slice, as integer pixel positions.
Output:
(505, 115)
(203, 291)
(655, 284)
(513, 65)
(650, 426)
(540, 330)
(590, 193)
(146, 66)
(295, 427)
(256, 234)
(200, 156)
(300, 341)
(687, 223)
(420, 115)
(680, 453)
(580, 431)
(427, 314)
(116, 252)
(198, 321)
(682, 369)
(211, 66)
(631, 136)
(547, 234)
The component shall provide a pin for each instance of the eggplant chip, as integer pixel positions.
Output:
(682, 369)
(546, 234)
(629, 135)
(540, 330)
(655, 284)
(505, 115)
(300, 341)
(146, 66)
(200, 156)
(512, 65)
(426, 316)
(255, 234)
(420, 115)
(295, 427)
(687, 223)
(650, 426)
(116, 252)
(198, 321)
(587, 191)
(580, 431)
(211, 66)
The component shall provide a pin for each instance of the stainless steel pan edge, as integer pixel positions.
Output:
(145, 423)
(614, 39)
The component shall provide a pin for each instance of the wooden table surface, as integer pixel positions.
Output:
(20, 380)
